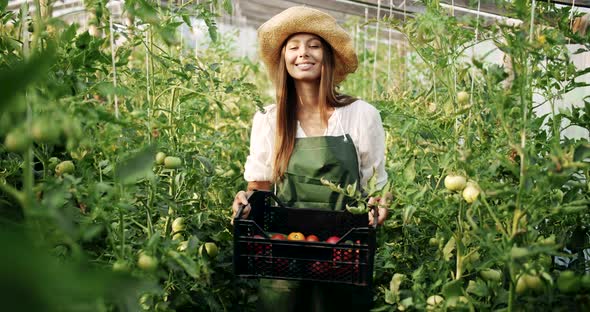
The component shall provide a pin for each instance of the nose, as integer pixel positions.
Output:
(302, 51)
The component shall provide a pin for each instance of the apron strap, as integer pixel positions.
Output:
(340, 124)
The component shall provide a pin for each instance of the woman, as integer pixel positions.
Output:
(312, 132)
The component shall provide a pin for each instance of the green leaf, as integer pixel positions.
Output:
(91, 232)
(17, 78)
(206, 162)
(410, 170)
(453, 289)
(389, 297)
(407, 303)
(136, 166)
(189, 266)
(394, 285)
(372, 183)
(408, 213)
(187, 20)
(69, 34)
(4, 4)
(582, 152)
(212, 28)
(448, 249)
(144, 10)
(227, 6)
(360, 209)
(107, 88)
(478, 288)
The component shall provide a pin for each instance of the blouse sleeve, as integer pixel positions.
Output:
(258, 163)
(372, 149)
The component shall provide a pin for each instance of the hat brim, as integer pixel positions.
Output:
(302, 19)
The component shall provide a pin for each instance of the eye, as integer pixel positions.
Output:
(293, 48)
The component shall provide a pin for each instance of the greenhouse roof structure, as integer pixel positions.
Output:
(255, 12)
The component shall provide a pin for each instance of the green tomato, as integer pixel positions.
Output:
(72, 128)
(433, 301)
(568, 282)
(16, 141)
(45, 132)
(53, 162)
(160, 156)
(534, 282)
(147, 262)
(462, 97)
(529, 282)
(491, 275)
(178, 225)
(470, 193)
(549, 241)
(120, 266)
(171, 162)
(521, 286)
(455, 182)
(66, 166)
(182, 246)
(210, 248)
(518, 252)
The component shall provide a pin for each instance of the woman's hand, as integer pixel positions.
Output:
(241, 199)
(382, 203)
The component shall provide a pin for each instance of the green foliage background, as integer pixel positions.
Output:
(88, 227)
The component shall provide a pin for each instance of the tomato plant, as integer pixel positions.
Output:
(490, 195)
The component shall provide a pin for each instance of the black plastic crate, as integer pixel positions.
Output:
(349, 261)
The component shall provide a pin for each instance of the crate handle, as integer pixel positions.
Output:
(239, 214)
(241, 209)
(276, 199)
(375, 215)
(254, 195)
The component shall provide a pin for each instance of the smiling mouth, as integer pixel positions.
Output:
(304, 65)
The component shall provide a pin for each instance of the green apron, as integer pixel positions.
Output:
(333, 158)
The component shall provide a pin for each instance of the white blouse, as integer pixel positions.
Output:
(360, 120)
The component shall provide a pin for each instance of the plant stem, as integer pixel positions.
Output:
(511, 290)
(122, 232)
(113, 53)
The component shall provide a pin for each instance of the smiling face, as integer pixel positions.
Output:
(303, 56)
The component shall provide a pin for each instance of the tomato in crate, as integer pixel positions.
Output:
(320, 269)
(345, 256)
(345, 260)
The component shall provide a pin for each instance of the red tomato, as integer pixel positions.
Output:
(333, 239)
(258, 252)
(278, 236)
(312, 238)
(319, 269)
(280, 266)
(297, 236)
(342, 255)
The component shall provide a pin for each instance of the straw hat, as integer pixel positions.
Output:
(301, 19)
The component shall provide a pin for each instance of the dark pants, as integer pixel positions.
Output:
(293, 296)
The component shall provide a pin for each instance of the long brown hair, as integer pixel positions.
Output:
(286, 123)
